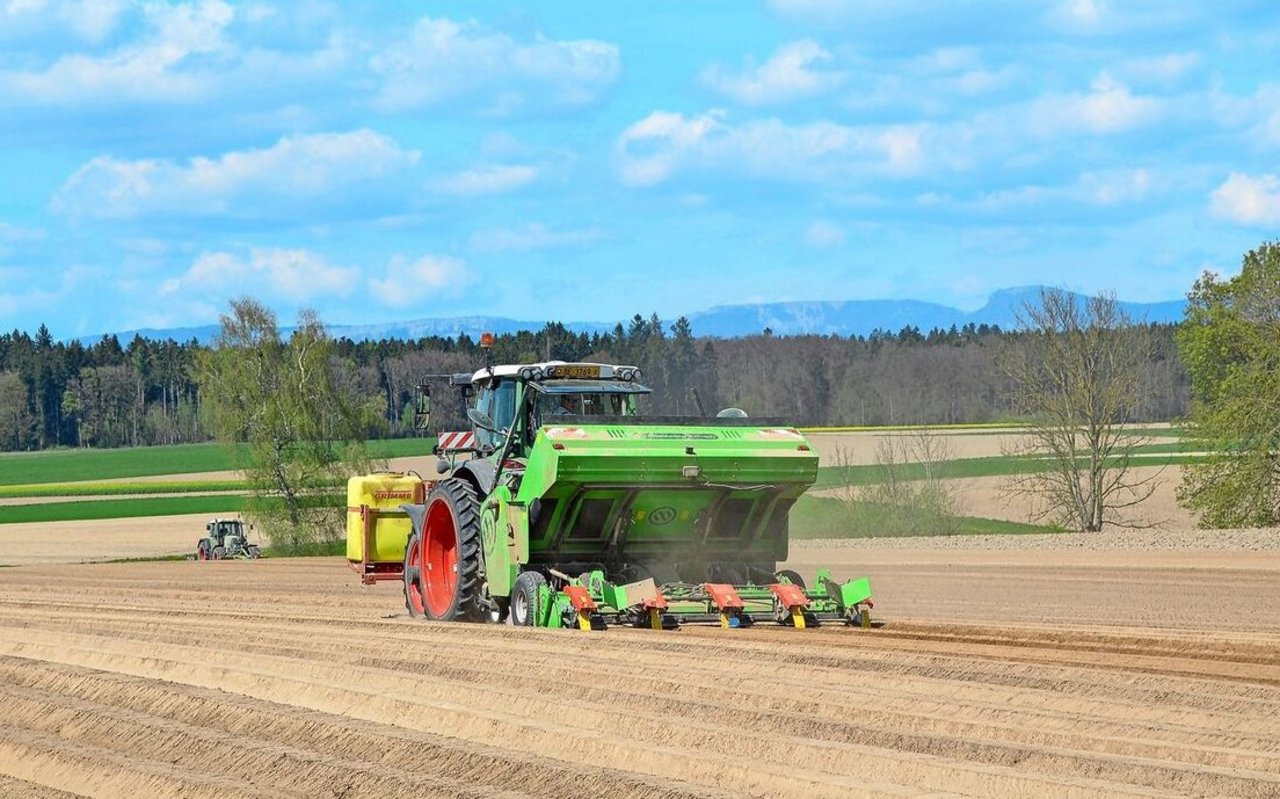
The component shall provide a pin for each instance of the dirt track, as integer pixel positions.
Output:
(286, 678)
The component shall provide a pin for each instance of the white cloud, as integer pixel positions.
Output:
(1109, 107)
(150, 70)
(14, 233)
(530, 237)
(655, 148)
(29, 294)
(1166, 68)
(823, 234)
(902, 147)
(1081, 12)
(1270, 129)
(1102, 188)
(445, 60)
(670, 137)
(816, 10)
(21, 238)
(948, 59)
(294, 274)
(488, 179)
(411, 282)
(1114, 188)
(295, 170)
(792, 72)
(90, 20)
(1247, 200)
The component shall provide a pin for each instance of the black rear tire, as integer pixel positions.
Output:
(524, 598)
(455, 502)
(413, 577)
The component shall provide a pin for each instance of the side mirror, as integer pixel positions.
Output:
(481, 419)
(422, 409)
(442, 466)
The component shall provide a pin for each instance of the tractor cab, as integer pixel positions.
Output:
(552, 398)
(225, 538)
(532, 396)
(219, 529)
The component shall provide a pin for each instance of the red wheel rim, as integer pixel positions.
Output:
(440, 559)
(413, 588)
(202, 553)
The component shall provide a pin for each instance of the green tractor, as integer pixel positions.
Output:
(566, 505)
(226, 539)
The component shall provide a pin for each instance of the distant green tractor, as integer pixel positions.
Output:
(225, 539)
(566, 506)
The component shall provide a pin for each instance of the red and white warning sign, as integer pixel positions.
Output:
(456, 441)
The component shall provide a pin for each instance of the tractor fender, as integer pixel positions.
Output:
(416, 514)
(480, 472)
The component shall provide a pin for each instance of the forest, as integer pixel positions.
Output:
(66, 394)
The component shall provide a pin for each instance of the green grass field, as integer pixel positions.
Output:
(827, 517)
(120, 488)
(118, 509)
(68, 465)
(862, 475)
(49, 474)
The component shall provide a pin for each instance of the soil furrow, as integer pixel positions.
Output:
(285, 678)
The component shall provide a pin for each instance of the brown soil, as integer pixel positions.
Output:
(860, 448)
(990, 497)
(103, 539)
(1028, 674)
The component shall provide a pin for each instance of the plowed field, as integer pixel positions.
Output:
(1035, 677)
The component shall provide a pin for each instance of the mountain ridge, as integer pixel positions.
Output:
(799, 317)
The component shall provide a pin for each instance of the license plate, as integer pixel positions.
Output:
(578, 371)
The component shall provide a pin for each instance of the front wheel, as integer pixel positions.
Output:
(219, 553)
(413, 577)
(524, 598)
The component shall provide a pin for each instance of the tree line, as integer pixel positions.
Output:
(66, 394)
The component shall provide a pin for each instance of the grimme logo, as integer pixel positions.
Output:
(664, 515)
(393, 495)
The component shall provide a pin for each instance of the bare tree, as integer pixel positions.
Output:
(911, 489)
(1076, 373)
(907, 494)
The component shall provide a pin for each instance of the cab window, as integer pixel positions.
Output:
(498, 402)
(586, 404)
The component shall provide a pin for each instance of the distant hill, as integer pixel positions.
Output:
(860, 317)
(452, 327)
(844, 318)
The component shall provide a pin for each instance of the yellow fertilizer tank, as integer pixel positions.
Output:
(377, 529)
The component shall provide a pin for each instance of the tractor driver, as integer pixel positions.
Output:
(567, 406)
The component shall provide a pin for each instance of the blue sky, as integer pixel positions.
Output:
(587, 161)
